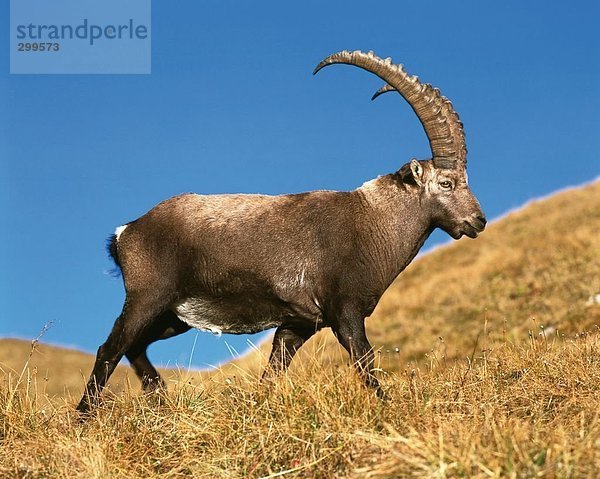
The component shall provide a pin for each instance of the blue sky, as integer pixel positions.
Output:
(231, 106)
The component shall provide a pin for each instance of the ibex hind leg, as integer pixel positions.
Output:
(138, 314)
(164, 326)
(288, 339)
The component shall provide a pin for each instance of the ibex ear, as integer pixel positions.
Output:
(417, 172)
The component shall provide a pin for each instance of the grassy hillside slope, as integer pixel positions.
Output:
(496, 374)
(59, 372)
(536, 267)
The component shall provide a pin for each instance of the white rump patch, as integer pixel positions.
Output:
(120, 230)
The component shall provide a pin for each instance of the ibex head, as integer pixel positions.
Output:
(446, 194)
(442, 181)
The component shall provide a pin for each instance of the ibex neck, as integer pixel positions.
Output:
(400, 224)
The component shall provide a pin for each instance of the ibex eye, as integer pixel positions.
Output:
(445, 184)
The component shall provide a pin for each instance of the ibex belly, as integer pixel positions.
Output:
(232, 316)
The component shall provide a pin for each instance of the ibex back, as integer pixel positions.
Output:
(298, 263)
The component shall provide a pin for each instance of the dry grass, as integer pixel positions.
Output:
(495, 376)
(507, 411)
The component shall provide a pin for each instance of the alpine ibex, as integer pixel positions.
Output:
(298, 263)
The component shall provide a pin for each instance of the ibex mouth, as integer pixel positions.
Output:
(469, 231)
(473, 227)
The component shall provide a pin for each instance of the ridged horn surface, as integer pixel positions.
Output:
(435, 112)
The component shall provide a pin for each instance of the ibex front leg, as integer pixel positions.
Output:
(349, 329)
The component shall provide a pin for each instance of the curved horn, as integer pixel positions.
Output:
(435, 112)
(384, 89)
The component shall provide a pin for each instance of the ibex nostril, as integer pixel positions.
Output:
(479, 222)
